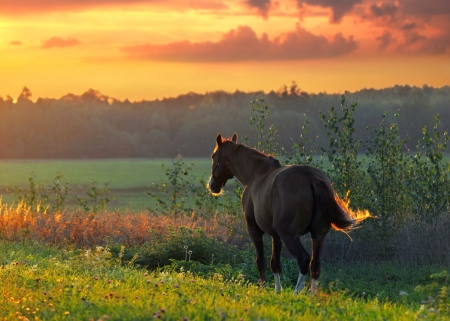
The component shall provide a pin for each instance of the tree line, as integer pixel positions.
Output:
(93, 125)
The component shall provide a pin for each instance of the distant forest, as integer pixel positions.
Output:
(93, 125)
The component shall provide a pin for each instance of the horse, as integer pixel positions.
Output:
(285, 202)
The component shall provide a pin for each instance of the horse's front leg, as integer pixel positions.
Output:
(275, 262)
(256, 234)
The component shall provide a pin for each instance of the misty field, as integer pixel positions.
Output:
(128, 179)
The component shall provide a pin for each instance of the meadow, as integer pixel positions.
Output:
(41, 282)
(129, 180)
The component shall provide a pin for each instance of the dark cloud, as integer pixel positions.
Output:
(436, 45)
(417, 43)
(409, 26)
(339, 7)
(385, 40)
(263, 6)
(59, 42)
(384, 9)
(425, 7)
(243, 44)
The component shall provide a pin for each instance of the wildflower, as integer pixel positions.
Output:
(67, 313)
(185, 319)
(403, 293)
(176, 285)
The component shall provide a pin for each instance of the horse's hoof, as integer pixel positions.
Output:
(312, 291)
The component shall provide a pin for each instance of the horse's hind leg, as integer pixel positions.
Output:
(295, 247)
(275, 262)
(317, 245)
(256, 234)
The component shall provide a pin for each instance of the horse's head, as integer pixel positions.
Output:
(220, 172)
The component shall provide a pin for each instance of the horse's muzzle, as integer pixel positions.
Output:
(214, 185)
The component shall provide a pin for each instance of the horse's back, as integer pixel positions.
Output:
(284, 199)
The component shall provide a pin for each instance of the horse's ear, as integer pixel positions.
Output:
(234, 138)
(219, 139)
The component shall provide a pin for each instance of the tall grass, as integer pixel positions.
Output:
(43, 283)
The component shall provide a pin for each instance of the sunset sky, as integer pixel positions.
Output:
(148, 49)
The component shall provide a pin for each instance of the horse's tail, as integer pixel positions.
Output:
(334, 208)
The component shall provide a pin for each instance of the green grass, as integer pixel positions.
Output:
(45, 283)
(128, 179)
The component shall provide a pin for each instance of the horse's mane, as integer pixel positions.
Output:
(258, 155)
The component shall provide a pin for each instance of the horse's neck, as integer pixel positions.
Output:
(245, 163)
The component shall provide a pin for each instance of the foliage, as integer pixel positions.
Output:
(387, 167)
(97, 199)
(305, 150)
(104, 127)
(342, 151)
(43, 198)
(176, 189)
(431, 184)
(183, 243)
(265, 134)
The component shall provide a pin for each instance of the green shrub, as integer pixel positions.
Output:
(182, 244)
(43, 198)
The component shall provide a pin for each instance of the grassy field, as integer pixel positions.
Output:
(46, 283)
(128, 179)
(77, 280)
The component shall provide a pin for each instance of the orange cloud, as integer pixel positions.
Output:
(16, 43)
(243, 44)
(59, 42)
(30, 6)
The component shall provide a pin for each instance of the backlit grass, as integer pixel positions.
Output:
(44, 283)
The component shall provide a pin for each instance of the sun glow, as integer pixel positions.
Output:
(61, 47)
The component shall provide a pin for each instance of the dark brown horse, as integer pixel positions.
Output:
(284, 202)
